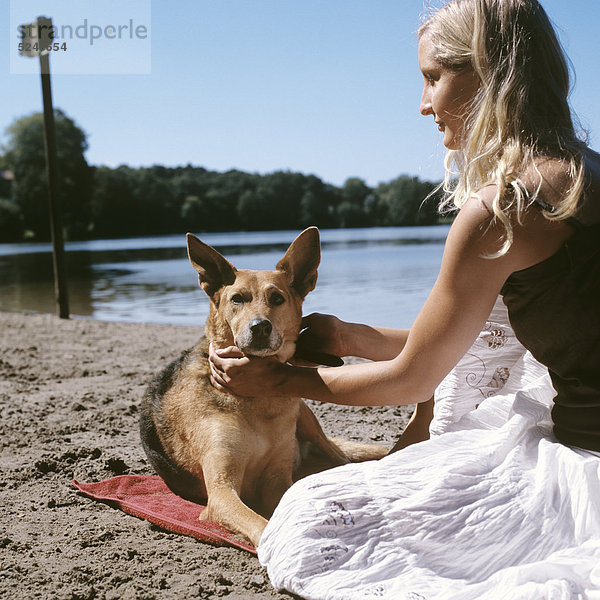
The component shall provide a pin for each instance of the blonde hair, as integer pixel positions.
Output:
(521, 112)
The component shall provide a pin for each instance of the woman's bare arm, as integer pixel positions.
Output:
(327, 333)
(453, 315)
(375, 343)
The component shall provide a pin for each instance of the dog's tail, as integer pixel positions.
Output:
(359, 452)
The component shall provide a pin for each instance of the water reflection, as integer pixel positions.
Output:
(376, 275)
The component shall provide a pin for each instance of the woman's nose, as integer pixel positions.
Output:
(425, 106)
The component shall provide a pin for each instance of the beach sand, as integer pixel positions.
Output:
(69, 397)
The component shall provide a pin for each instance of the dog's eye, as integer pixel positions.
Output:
(277, 299)
(237, 299)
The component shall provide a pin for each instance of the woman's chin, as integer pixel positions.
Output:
(449, 142)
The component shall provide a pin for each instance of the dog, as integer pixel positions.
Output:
(239, 455)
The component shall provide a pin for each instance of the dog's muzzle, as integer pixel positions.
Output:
(259, 338)
(261, 329)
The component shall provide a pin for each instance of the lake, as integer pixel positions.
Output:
(379, 276)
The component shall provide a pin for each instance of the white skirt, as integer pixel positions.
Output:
(493, 507)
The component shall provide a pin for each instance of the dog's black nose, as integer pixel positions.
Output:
(261, 328)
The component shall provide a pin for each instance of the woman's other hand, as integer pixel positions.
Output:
(322, 333)
(329, 335)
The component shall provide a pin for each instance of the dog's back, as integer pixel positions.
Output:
(181, 482)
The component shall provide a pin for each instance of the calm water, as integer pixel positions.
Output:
(379, 276)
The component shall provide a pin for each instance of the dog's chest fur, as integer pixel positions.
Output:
(193, 415)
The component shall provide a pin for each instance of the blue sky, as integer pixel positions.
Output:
(329, 87)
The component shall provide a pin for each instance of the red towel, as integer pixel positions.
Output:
(148, 497)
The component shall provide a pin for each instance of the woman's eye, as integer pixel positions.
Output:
(277, 299)
(237, 299)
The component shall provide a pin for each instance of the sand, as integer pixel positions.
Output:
(69, 397)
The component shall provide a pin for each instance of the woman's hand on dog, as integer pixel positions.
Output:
(322, 333)
(232, 371)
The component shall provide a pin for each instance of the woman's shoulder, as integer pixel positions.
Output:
(548, 178)
(551, 180)
(534, 237)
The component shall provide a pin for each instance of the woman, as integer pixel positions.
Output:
(528, 193)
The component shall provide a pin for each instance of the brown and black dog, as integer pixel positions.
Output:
(241, 454)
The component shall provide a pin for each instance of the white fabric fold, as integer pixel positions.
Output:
(484, 512)
(491, 507)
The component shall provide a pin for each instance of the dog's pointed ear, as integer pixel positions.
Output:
(214, 270)
(301, 261)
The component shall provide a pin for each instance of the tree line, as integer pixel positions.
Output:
(100, 202)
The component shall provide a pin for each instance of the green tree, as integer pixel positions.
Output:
(279, 195)
(318, 202)
(115, 208)
(11, 222)
(252, 211)
(195, 213)
(355, 191)
(24, 155)
(403, 201)
(190, 185)
(153, 189)
(223, 197)
(350, 215)
(351, 211)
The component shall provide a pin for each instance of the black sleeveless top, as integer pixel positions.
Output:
(554, 309)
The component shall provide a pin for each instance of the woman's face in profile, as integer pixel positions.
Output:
(447, 94)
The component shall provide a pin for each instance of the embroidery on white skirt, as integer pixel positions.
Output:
(337, 519)
(477, 379)
(333, 553)
(377, 591)
(498, 380)
(496, 338)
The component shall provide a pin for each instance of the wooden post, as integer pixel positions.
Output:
(40, 38)
(56, 224)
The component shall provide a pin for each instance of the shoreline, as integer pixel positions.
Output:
(69, 396)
